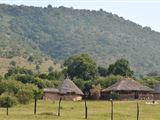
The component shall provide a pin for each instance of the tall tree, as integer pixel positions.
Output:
(102, 71)
(120, 67)
(81, 66)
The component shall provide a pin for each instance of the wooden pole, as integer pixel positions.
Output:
(86, 109)
(59, 107)
(7, 110)
(35, 105)
(137, 111)
(111, 109)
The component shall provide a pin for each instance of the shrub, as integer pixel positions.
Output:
(10, 86)
(107, 81)
(96, 92)
(7, 100)
(24, 96)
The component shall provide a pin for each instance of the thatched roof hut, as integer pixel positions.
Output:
(67, 86)
(128, 88)
(127, 84)
(67, 90)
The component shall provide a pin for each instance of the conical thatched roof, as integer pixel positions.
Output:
(127, 84)
(68, 86)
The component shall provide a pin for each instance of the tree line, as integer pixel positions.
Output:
(21, 85)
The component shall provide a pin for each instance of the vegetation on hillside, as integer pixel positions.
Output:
(62, 32)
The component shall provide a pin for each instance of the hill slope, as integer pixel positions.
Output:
(61, 32)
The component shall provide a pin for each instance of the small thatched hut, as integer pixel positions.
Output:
(67, 90)
(127, 88)
(51, 94)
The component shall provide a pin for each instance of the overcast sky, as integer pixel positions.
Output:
(143, 12)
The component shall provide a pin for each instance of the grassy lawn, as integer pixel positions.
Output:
(97, 110)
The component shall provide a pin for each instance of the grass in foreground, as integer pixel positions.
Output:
(97, 110)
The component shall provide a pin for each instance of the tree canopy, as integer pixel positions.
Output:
(81, 66)
(120, 67)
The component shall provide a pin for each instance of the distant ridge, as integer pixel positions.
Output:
(62, 32)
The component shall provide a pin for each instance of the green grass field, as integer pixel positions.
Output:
(97, 110)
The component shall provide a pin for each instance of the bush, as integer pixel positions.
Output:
(96, 92)
(18, 70)
(7, 100)
(40, 83)
(24, 96)
(10, 86)
(107, 81)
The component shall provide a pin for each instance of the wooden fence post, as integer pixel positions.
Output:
(111, 109)
(59, 107)
(35, 105)
(137, 111)
(7, 111)
(86, 109)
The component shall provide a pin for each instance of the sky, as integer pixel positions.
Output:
(143, 12)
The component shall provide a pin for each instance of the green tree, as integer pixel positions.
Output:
(107, 81)
(102, 71)
(7, 101)
(120, 67)
(81, 66)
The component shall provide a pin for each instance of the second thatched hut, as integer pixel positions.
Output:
(66, 90)
(126, 89)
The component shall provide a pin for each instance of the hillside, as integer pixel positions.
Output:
(62, 32)
(22, 62)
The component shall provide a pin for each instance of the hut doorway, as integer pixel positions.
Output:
(136, 95)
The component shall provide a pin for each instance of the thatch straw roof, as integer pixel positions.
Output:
(68, 86)
(53, 90)
(127, 84)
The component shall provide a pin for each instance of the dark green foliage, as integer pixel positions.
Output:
(38, 68)
(102, 71)
(38, 93)
(7, 100)
(153, 73)
(150, 81)
(107, 81)
(56, 75)
(50, 69)
(43, 76)
(11, 86)
(23, 92)
(30, 59)
(18, 70)
(25, 79)
(81, 66)
(34, 80)
(121, 67)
